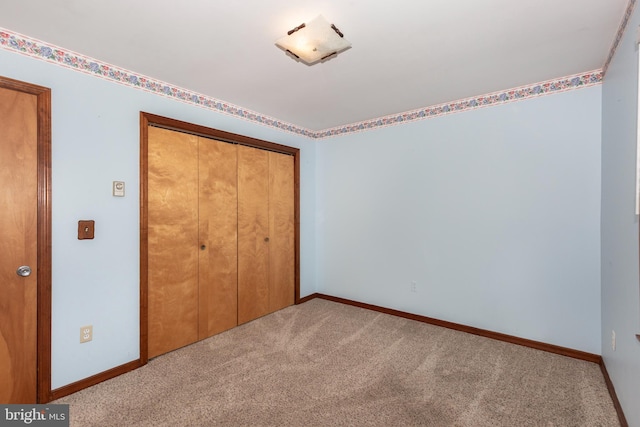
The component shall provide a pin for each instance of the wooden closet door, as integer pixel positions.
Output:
(281, 231)
(173, 240)
(218, 207)
(253, 233)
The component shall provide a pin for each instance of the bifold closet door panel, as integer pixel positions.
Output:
(172, 239)
(253, 233)
(281, 231)
(218, 281)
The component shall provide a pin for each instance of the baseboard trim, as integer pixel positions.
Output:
(307, 298)
(118, 370)
(95, 379)
(612, 393)
(551, 348)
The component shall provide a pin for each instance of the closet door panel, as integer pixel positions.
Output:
(281, 231)
(253, 233)
(218, 237)
(173, 240)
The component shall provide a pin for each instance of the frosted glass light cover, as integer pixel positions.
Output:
(313, 42)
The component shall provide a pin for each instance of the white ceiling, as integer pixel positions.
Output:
(406, 54)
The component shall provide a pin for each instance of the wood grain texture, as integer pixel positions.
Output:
(144, 239)
(44, 241)
(149, 121)
(19, 227)
(296, 186)
(281, 231)
(218, 222)
(172, 240)
(253, 233)
(220, 135)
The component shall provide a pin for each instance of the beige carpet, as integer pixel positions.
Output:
(327, 364)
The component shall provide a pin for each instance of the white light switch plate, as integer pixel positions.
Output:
(118, 188)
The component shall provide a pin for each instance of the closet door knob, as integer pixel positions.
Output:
(203, 247)
(266, 239)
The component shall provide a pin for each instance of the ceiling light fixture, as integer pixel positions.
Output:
(314, 41)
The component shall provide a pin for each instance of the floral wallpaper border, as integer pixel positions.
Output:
(517, 94)
(48, 52)
(51, 53)
(620, 33)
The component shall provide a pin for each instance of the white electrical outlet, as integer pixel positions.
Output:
(613, 340)
(86, 333)
(414, 286)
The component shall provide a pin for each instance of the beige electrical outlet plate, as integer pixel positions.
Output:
(86, 334)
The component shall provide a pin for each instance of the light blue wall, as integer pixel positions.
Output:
(620, 281)
(495, 213)
(95, 126)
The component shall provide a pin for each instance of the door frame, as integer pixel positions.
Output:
(43, 97)
(148, 119)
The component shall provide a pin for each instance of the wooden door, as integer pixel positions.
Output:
(172, 240)
(218, 223)
(281, 231)
(253, 233)
(18, 227)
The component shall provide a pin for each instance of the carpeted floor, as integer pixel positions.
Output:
(327, 364)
